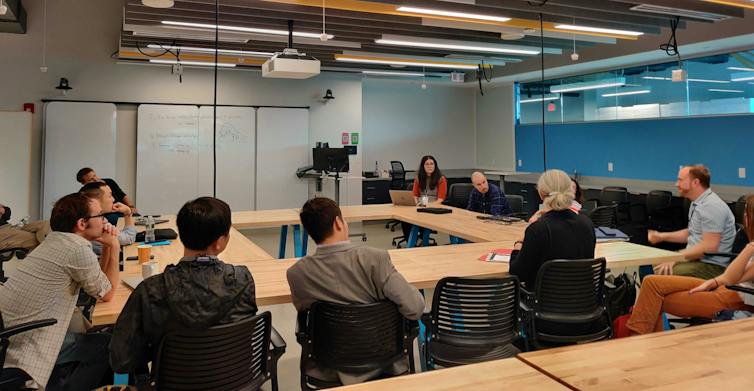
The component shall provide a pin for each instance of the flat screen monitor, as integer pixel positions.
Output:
(330, 159)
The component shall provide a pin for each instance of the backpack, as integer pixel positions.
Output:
(621, 294)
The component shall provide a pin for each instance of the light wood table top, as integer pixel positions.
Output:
(508, 374)
(265, 218)
(715, 356)
(463, 224)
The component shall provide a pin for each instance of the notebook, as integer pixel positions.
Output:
(498, 255)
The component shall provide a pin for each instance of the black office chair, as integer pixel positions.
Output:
(516, 202)
(605, 216)
(397, 182)
(16, 378)
(660, 210)
(568, 304)
(353, 338)
(458, 195)
(739, 208)
(237, 356)
(8, 254)
(472, 320)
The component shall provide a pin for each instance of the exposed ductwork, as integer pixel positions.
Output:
(14, 20)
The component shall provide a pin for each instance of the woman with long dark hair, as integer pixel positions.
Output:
(429, 182)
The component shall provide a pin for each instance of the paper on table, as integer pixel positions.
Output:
(497, 255)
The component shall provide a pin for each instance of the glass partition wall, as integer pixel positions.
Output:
(716, 85)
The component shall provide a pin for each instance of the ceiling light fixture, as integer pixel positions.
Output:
(692, 80)
(741, 69)
(198, 63)
(450, 46)
(739, 77)
(243, 29)
(733, 3)
(158, 3)
(540, 99)
(719, 90)
(620, 81)
(388, 73)
(636, 92)
(403, 62)
(453, 14)
(571, 27)
(323, 37)
(209, 50)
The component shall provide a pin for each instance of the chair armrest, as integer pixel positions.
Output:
(20, 328)
(277, 341)
(301, 327)
(609, 285)
(740, 288)
(726, 255)
(526, 301)
(8, 253)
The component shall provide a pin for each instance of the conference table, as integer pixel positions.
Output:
(713, 356)
(423, 267)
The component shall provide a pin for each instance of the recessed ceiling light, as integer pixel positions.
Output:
(719, 90)
(741, 69)
(451, 46)
(244, 29)
(691, 80)
(540, 99)
(571, 27)
(199, 63)
(388, 73)
(209, 50)
(158, 3)
(636, 92)
(403, 62)
(453, 14)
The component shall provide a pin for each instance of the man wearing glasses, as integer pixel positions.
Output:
(47, 283)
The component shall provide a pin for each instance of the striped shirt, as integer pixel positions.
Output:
(46, 285)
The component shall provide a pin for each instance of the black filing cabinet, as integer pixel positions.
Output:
(375, 191)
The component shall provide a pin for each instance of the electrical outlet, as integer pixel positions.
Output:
(520, 162)
(610, 166)
(742, 172)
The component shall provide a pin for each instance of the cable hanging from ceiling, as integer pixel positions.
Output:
(671, 48)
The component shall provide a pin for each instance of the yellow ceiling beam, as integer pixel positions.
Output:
(391, 9)
(408, 61)
(734, 3)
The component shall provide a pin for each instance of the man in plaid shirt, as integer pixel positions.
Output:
(487, 198)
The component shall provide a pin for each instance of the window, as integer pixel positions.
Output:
(715, 85)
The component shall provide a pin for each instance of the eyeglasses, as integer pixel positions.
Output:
(99, 216)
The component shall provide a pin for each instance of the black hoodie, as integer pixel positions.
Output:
(194, 294)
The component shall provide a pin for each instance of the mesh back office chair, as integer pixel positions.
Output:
(472, 320)
(234, 356)
(397, 182)
(353, 338)
(516, 202)
(8, 254)
(605, 216)
(569, 295)
(660, 210)
(15, 378)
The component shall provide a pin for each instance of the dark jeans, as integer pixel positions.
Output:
(83, 363)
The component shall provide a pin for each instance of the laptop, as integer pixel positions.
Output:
(402, 197)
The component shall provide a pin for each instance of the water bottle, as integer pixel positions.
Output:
(149, 232)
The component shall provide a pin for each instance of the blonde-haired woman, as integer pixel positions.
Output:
(557, 234)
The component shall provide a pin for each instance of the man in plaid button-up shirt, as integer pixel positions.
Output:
(487, 198)
(47, 283)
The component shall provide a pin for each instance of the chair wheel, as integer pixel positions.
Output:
(364, 238)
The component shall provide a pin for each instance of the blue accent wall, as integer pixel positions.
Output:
(643, 149)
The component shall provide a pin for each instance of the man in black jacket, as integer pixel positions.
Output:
(199, 292)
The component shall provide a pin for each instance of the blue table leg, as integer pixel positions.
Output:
(412, 236)
(425, 236)
(120, 379)
(283, 238)
(297, 241)
(304, 241)
(456, 240)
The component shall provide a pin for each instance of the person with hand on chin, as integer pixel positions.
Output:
(101, 192)
(711, 228)
(694, 297)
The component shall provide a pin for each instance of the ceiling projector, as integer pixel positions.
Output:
(290, 64)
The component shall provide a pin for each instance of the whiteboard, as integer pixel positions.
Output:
(76, 135)
(235, 155)
(15, 162)
(166, 157)
(283, 146)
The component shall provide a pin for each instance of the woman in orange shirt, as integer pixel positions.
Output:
(430, 182)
